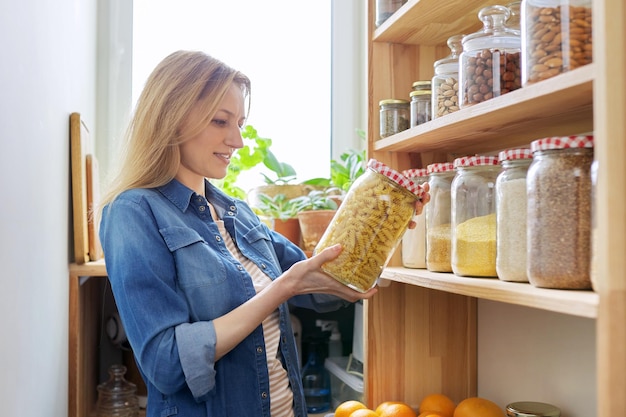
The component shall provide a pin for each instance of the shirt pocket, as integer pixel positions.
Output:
(197, 264)
(258, 239)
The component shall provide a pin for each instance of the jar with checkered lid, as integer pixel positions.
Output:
(474, 216)
(438, 215)
(414, 240)
(559, 212)
(511, 215)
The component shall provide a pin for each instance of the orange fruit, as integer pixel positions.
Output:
(397, 409)
(384, 405)
(348, 407)
(429, 414)
(364, 412)
(478, 407)
(438, 404)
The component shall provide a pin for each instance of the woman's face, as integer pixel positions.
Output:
(207, 154)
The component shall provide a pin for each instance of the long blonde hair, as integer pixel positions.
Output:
(183, 80)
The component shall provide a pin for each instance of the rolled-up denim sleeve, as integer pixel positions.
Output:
(196, 348)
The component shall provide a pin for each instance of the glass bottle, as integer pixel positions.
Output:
(394, 116)
(385, 8)
(414, 240)
(511, 215)
(474, 216)
(316, 380)
(559, 212)
(556, 37)
(438, 217)
(490, 62)
(445, 83)
(420, 106)
(116, 397)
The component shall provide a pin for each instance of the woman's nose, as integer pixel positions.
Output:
(235, 140)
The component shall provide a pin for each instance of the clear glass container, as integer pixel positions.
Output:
(559, 212)
(394, 116)
(511, 215)
(556, 37)
(369, 225)
(514, 20)
(474, 216)
(594, 226)
(490, 62)
(445, 83)
(385, 8)
(439, 217)
(116, 397)
(414, 240)
(420, 106)
(532, 409)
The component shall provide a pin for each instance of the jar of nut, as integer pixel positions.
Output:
(445, 83)
(438, 217)
(369, 225)
(559, 212)
(556, 37)
(490, 62)
(394, 116)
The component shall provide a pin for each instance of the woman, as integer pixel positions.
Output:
(202, 286)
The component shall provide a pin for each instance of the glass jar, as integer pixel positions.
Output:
(394, 116)
(474, 216)
(514, 20)
(511, 215)
(420, 106)
(116, 397)
(556, 37)
(385, 8)
(438, 217)
(414, 240)
(490, 62)
(593, 272)
(445, 83)
(369, 225)
(532, 409)
(559, 212)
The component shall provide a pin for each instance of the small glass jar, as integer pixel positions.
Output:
(420, 106)
(490, 62)
(369, 225)
(559, 212)
(438, 217)
(116, 397)
(514, 20)
(474, 216)
(394, 116)
(532, 409)
(385, 8)
(556, 37)
(511, 215)
(414, 240)
(445, 83)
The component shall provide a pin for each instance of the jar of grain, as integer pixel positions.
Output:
(474, 216)
(556, 37)
(369, 224)
(559, 212)
(511, 215)
(445, 83)
(490, 62)
(438, 217)
(385, 8)
(414, 240)
(420, 106)
(394, 116)
(532, 409)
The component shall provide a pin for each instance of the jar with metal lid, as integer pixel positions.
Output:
(414, 240)
(556, 37)
(474, 216)
(511, 215)
(532, 409)
(445, 83)
(490, 62)
(420, 106)
(369, 225)
(559, 212)
(394, 116)
(438, 217)
(385, 8)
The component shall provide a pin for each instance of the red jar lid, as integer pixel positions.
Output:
(440, 167)
(415, 172)
(510, 154)
(562, 142)
(477, 160)
(396, 177)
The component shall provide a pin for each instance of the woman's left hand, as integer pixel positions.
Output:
(420, 203)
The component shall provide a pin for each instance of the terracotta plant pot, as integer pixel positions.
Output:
(289, 228)
(313, 224)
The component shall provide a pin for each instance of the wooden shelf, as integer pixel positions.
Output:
(576, 303)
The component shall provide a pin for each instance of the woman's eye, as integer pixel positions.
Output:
(220, 122)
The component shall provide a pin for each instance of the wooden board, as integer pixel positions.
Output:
(93, 194)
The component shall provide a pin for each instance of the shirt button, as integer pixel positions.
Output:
(230, 213)
(239, 267)
(202, 208)
(264, 395)
(263, 266)
(259, 349)
(233, 208)
(218, 238)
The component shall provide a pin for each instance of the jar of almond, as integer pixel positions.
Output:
(445, 83)
(556, 37)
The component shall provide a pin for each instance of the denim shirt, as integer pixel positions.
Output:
(171, 275)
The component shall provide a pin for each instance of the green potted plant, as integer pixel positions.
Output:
(315, 211)
(282, 215)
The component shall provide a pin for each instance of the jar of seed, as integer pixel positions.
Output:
(445, 83)
(511, 215)
(394, 116)
(414, 240)
(420, 104)
(438, 217)
(490, 62)
(369, 224)
(474, 216)
(559, 212)
(556, 37)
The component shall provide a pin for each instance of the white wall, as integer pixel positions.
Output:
(47, 71)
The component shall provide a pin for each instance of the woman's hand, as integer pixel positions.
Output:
(420, 203)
